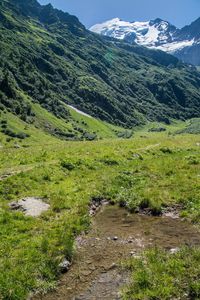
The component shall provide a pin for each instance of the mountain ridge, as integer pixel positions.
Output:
(157, 34)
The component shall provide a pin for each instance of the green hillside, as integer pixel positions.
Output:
(49, 59)
(133, 116)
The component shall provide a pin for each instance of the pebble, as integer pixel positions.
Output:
(130, 241)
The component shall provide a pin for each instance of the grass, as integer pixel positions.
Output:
(161, 275)
(193, 127)
(43, 125)
(139, 171)
(93, 125)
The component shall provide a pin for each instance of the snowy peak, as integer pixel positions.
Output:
(157, 34)
(150, 33)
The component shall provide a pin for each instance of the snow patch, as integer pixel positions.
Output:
(79, 111)
(150, 38)
(175, 46)
(144, 33)
(156, 34)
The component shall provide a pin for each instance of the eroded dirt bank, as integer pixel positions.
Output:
(116, 235)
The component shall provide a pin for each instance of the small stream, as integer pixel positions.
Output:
(115, 236)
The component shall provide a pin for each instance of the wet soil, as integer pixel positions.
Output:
(116, 235)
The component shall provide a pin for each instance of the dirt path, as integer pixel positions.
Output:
(115, 236)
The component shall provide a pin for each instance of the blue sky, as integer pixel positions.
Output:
(90, 12)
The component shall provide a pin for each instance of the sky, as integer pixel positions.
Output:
(90, 12)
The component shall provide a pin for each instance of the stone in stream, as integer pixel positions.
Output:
(130, 240)
(96, 204)
(64, 266)
(172, 212)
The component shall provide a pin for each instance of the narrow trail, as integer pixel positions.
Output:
(115, 236)
(148, 147)
(26, 168)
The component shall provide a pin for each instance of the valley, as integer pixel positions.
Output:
(151, 171)
(99, 160)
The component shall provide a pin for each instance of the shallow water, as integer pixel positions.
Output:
(117, 235)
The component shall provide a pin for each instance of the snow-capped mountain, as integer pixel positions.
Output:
(158, 34)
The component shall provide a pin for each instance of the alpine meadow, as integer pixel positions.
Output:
(99, 158)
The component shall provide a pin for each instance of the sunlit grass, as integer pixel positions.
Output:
(157, 170)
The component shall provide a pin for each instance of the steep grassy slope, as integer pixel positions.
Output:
(42, 123)
(50, 57)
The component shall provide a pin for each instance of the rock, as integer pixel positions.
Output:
(130, 241)
(31, 206)
(4, 176)
(158, 129)
(15, 206)
(113, 266)
(137, 210)
(96, 204)
(64, 266)
(135, 255)
(138, 156)
(115, 238)
(174, 250)
(172, 212)
(122, 204)
(17, 146)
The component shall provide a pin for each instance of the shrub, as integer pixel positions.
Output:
(109, 161)
(68, 165)
(166, 150)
